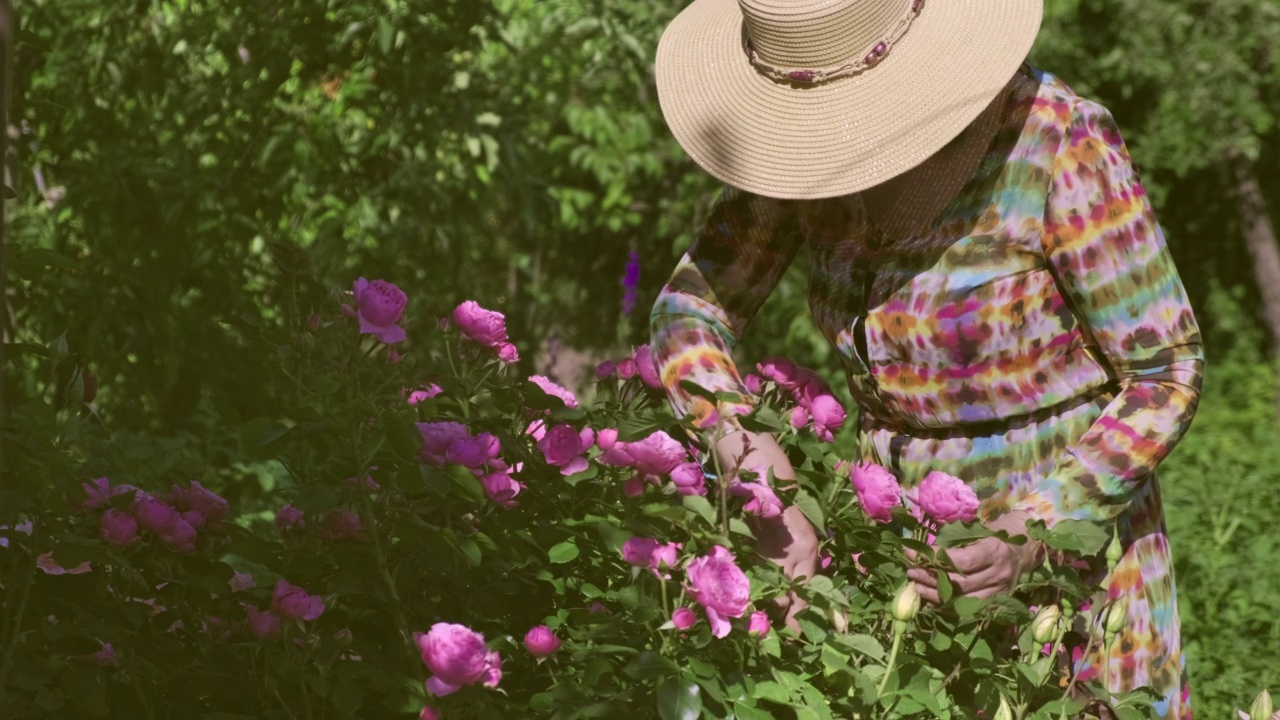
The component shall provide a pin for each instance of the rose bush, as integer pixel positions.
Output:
(494, 545)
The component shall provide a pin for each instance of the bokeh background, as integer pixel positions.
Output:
(177, 162)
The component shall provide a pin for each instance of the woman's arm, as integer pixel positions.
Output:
(1108, 254)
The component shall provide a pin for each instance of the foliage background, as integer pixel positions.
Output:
(184, 158)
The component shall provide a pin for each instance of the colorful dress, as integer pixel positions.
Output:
(1035, 340)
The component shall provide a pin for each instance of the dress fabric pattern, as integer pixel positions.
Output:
(1034, 340)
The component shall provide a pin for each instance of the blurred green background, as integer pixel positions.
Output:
(173, 161)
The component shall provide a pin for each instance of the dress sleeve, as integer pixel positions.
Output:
(1109, 257)
(733, 265)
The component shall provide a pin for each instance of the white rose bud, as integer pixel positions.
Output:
(1117, 614)
(1114, 553)
(1044, 627)
(1261, 707)
(907, 603)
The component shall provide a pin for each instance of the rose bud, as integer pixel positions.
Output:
(1044, 627)
(1116, 615)
(541, 642)
(906, 605)
(1261, 707)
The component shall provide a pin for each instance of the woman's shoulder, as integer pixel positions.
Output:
(1057, 107)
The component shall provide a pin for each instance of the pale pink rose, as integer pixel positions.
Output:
(638, 550)
(688, 479)
(758, 625)
(483, 327)
(473, 451)
(763, 500)
(606, 369)
(683, 618)
(541, 642)
(537, 430)
(424, 393)
(646, 367)
(437, 437)
(634, 487)
(49, 566)
(663, 558)
(508, 353)
(293, 603)
(627, 368)
(501, 488)
(154, 514)
(607, 438)
(342, 525)
(877, 489)
(947, 498)
(554, 390)
(290, 518)
(198, 498)
(241, 582)
(263, 624)
(118, 528)
(566, 448)
(455, 654)
(720, 587)
(179, 537)
(379, 305)
(493, 670)
(828, 415)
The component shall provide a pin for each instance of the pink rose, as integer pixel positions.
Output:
(634, 487)
(566, 448)
(607, 438)
(179, 537)
(764, 501)
(342, 525)
(263, 624)
(554, 390)
(683, 618)
(606, 369)
(781, 371)
(290, 518)
(118, 528)
(638, 550)
(493, 670)
(293, 603)
(947, 498)
(501, 488)
(455, 654)
(379, 305)
(483, 327)
(98, 491)
(663, 558)
(627, 368)
(508, 354)
(759, 625)
(828, 416)
(655, 455)
(877, 489)
(541, 642)
(241, 582)
(426, 393)
(473, 451)
(752, 382)
(647, 368)
(429, 713)
(196, 497)
(799, 416)
(688, 479)
(154, 514)
(192, 518)
(437, 438)
(720, 587)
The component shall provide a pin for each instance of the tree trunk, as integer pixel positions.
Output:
(1260, 238)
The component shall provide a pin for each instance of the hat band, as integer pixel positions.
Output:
(815, 75)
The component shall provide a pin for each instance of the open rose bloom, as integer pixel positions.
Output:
(720, 587)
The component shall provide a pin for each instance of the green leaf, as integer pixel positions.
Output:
(386, 34)
(772, 691)
(746, 712)
(563, 552)
(702, 507)
(865, 644)
(44, 257)
(809, 505)
(1074, 536)
(945, 590)
(679, 699)
(953, 534)
(261, 438)
(648, 665)
(347, 698)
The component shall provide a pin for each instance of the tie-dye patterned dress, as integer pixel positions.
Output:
(1035, 339)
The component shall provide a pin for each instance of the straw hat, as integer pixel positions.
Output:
(819, 98)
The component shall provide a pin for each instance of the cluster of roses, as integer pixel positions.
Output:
(288, 603)
(714, 581)
(814, 401)
(173, 520)
(940, 498)
(458, 656)
(639, 364)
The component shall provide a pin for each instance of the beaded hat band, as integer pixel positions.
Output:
(809, 99)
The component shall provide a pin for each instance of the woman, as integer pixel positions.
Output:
(983, 259)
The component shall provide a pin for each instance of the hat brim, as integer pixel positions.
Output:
(793, 141)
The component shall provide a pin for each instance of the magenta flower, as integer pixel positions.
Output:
(720, 587)
(455, 654)
(663, 558)
(639, 550)
(99, 490)
(486, 328)
(118, 528)
(799, 416)
(437, 437)
(763, 501)
(429, 713)
(781, 371)
(293, 603)
(688, 479)
(154, 514)
(379, 305)
(179, 537)
(493, 670)
(683, 618)
(508, 353)
(606, 439)
(342, 525)
(473, 452)
(828, 415)
(263, 624)
(634, 487)
(752, 382)
(947, 498)
(198, 498)
(646, 367)
(423, 393)
(877, 489)
(759, 625)
(627, 368)
(655, 455)
(501, 488)
(541, 642)
(289, 518)
(554, 390)
(241, 582)
(566, 448)
(606, 369)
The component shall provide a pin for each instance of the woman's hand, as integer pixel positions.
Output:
(789, 539)
(988, 567)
